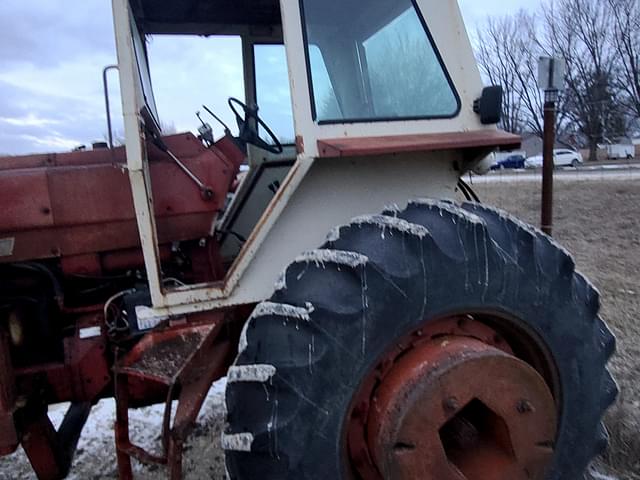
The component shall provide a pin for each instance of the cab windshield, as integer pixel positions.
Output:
(372, 61)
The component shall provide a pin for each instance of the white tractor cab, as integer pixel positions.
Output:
(420, 338)
(373, 87)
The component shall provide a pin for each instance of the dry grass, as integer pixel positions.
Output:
(599, 222)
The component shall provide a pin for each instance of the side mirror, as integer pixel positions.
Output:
(489, 105)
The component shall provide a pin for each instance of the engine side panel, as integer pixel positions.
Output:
(83, 204)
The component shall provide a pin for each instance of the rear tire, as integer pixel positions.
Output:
(305, 353)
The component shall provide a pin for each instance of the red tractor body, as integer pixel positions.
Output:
(78, 206)
(70, 243)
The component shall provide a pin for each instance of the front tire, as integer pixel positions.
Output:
(306, 353)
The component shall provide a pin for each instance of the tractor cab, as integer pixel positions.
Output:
(244, 49)
(351, 67)
(321, 79)
(243, 53)
(345, 63)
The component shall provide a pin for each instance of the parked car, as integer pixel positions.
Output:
(484, 166)
(512, 161)
(561, 158)
(534, 162)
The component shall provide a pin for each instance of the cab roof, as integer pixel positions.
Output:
(206, 17)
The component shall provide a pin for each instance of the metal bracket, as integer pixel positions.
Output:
(207, 192)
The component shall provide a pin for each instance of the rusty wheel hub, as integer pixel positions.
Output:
(456, 407)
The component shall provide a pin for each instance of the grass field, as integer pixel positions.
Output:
(599, 222)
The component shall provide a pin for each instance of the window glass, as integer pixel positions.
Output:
(374, 61)
(325, 96)
(272, 91)
(143, 71)
(189, 71)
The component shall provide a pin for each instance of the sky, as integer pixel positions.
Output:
(51, 60)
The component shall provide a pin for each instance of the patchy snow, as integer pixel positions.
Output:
(282, 310)
(269, 308)
(96, 458)
(238, 442)
(384, 223)
(595, 475)
(448, 207)
(251, 373)
(321, 257)
(281, 282)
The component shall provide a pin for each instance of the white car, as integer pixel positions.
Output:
(561, 158)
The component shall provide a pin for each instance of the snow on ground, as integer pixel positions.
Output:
(591, 174)
(96, 458)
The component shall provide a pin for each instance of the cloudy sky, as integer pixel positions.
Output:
(52, 54)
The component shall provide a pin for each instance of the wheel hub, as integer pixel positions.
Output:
(458, 408)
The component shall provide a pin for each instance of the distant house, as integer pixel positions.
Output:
(532, 144)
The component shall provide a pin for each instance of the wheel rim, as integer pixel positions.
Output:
(453, 402)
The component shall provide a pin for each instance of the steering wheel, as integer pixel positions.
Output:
(248, 126)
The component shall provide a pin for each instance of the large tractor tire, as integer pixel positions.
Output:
(435, 343)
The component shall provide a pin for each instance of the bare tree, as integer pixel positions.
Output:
(581, 31)
(626, 20)
(508, 52)
(495, 57)
(600, 41)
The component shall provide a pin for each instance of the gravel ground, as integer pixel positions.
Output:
(598, 220)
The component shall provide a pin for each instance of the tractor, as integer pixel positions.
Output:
(370, 322)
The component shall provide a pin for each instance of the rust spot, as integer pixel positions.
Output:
(453, 404)
(165, 359)
(478, 432)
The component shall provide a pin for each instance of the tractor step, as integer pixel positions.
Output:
(163, 356)
(185, 361)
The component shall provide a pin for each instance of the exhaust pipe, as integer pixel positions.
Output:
(105, 84)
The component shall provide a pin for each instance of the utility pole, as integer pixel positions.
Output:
(551, 73)
(548, 166)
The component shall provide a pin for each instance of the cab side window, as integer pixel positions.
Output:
(272, 90)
